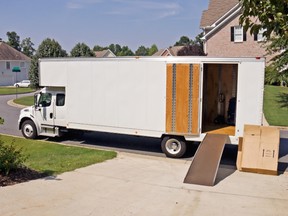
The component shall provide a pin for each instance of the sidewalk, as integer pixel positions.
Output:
(146, 185)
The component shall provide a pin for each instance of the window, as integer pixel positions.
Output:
(45, 99)
(8, 66)
(60, 99)
(238, 34)
(260, 37)
(22, 64)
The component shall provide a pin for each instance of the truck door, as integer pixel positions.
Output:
(44, 113)
(60, 110)
(182, 99)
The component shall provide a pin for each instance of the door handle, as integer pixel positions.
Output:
(51, 115)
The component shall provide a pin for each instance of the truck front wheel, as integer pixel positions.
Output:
(28, 129)
(173, 147)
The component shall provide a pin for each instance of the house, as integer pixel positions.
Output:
(104, 54)
(11, 58)
(171, 51)
(224, 36)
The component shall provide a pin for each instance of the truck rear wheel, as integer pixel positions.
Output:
(173, 147)
(28, 129)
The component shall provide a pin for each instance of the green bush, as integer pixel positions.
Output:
(274, 77)
(10, 158)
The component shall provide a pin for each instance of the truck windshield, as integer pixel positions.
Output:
(45, 99)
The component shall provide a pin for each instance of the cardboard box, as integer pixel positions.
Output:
(259, 150)
(239, 154)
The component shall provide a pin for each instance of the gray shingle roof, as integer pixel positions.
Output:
(8, 53)
(104, 53)
(168, 51)
(216, 9)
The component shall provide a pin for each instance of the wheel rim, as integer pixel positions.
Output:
(173, 146)
(28, 130)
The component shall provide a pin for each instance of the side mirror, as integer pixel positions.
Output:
(36, 99)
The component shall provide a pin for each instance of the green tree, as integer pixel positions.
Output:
(125, 51)
(13, 40)
(27, 47)
(199, 41)
(153, 49)
(81, 50)
(33, 72)
(48, 48)
(191, 50)
(115, 48)
(273, 77)
(271, 17)
(184, 41)
(191, 47)
(142, 51)
(98, 48)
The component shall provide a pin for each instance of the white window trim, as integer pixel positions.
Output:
(238, 34)
(260, 36)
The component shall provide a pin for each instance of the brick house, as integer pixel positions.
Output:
(10, 58)
(171, 51)
(224, 37)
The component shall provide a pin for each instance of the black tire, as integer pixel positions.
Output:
(173, 147)
(28, 129)
(17, 86)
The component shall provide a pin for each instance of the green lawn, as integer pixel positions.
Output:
(26, 101)
(276, 105)
(53, 159)
(14, 90)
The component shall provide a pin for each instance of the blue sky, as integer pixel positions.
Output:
(129, 23)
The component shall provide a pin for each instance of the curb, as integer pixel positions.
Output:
(11, 103)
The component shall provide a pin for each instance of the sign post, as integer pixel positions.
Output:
(16, 70)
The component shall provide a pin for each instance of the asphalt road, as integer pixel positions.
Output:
(107, 141)
(124, 143)
(10, 115)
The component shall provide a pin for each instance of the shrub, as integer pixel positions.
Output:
(274, 77)
(10, 158)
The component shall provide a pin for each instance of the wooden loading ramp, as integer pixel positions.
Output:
(204, 166)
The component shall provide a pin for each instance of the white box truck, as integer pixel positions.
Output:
(177, 99)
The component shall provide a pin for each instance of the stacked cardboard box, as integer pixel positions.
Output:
(258, 151)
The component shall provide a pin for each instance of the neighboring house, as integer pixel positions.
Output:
(104, 54)
(224, 37)
(9, 59)
(171, 51)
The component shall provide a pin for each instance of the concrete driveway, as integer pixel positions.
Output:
(146, 185)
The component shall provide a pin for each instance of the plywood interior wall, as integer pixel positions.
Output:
(217, 78)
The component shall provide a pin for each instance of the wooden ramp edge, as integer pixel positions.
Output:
(204, 166)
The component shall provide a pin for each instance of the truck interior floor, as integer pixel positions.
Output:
(220, 129)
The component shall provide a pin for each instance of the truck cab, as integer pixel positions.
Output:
(47, 116)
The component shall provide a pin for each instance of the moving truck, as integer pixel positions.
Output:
(177, 99)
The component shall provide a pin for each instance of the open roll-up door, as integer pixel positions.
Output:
(182, 99)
